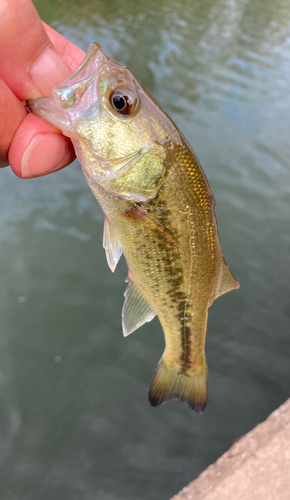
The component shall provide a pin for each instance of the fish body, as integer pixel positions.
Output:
(159, 211)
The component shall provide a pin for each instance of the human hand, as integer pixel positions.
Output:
(33, 59)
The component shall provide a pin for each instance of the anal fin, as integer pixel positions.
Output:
(136, 310)
(227, 280)
(111, 245)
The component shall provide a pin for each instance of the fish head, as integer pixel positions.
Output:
(121, 135)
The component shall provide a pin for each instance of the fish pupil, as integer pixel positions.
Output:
(119, 102)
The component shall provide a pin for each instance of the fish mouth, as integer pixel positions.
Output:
(61, 107)
(47, 109)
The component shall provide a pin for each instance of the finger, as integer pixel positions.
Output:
(12, 113)
(37, 149)
(31, 66)
(70, 53)
(29, 63)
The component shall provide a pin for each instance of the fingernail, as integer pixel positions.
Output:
(48, 71)
(45, 154)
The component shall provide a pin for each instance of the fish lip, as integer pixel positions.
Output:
(31, 102)
(45, 108)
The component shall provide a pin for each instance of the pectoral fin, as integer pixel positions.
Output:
(227, 280)
(136, 311)
(139, 216)
(111, 245)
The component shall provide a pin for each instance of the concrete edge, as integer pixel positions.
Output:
(243, 449)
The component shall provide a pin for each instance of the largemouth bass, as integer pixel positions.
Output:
(159, 211)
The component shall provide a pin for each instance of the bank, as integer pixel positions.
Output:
(256, 467)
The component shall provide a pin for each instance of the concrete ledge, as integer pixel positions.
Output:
(256, 467)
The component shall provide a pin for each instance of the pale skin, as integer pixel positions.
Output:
(33, 59)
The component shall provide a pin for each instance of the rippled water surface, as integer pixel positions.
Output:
(75, 420)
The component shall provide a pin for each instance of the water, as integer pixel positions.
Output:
(75, 420)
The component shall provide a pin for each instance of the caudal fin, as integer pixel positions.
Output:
(170, 383)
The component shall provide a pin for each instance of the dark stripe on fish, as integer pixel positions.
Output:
(171, 258)
(175, 279)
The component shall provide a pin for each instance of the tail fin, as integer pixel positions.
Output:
(169, 383)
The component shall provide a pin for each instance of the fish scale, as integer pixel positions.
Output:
(159, 211)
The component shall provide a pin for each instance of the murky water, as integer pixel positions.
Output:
(75, 420)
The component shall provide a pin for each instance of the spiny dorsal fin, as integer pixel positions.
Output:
(111, 245)
(227, 280)
(136, 311)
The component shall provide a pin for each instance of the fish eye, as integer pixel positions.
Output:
(123, 101)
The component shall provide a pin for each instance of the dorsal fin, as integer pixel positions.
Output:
(136, 311)
(111, 245)
(227, 280)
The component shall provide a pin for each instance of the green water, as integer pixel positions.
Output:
(75, 420)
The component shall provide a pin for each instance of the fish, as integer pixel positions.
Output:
(159, 213)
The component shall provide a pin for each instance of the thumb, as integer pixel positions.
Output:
(29, 63)
(30, 66)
